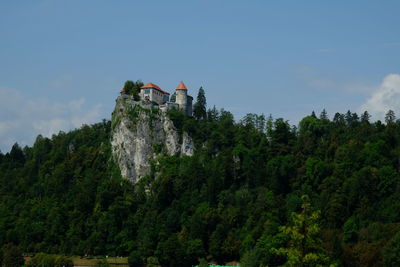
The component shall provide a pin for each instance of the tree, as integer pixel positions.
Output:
(135, 259)
(391, 253)
(339, 119)
(323, 115)
(313, 114)
(304, 246)
(390, 117)
(133, 88)
(42, 259)
(199, 110)
(348, 117)
(17, 155)
(152, 262)
(350, 229)
(203, 263)
(213, 114)
(12, 256)
(365, 117)
(63, 261)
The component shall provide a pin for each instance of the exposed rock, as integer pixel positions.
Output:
(141, 132)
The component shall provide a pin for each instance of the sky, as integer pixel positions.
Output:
(62, 63)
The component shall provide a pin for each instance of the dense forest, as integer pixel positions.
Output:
(258, 191)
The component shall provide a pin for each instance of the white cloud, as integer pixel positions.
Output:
(22, 119)
(385, 97)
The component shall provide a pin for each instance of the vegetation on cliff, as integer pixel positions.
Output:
(241, 196)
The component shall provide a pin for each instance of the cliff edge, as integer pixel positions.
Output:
(140, 133)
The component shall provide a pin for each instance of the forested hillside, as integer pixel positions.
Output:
(258, 191)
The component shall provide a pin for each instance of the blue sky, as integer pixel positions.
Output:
(62, 63)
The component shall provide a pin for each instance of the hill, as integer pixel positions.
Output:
(258, 191)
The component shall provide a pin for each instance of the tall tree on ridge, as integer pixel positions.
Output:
(133, 88)
(324, 115)
(365, 117)
(390, 117)
(200, 111)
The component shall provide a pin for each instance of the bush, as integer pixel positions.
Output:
(12, 256)
(203, 263)
(135, 259)
(48, 260)
(42, 259)
(103, 263)
(62, 261)
(391, 253)
(152, 262)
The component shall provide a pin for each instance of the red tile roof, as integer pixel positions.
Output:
(181, 86)
(153, 86)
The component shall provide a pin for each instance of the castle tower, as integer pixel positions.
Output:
(181, 96)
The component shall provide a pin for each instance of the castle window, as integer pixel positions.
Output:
(147, 91)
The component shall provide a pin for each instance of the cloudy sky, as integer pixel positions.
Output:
(62, 63)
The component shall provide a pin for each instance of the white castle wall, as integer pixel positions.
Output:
(152, 95)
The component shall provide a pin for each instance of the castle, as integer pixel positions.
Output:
(179, 100)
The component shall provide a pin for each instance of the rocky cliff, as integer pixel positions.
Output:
(140, 133)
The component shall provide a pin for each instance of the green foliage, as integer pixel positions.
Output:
(12, 256)
(203, 263)
(133, 88)
(102, 263)
(62, 261)
(350, 230)
(135, 259)
(229, 201)
(42, 259)
(391, 253)
(152, 262)
(304, 246)
(200, 107)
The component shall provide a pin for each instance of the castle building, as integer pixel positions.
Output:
(183, 101)
(152, 92)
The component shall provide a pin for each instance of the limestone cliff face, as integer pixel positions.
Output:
(140, 133)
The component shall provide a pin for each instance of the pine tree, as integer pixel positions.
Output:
(323, 115)
(313, 114)
(365, 117)
(390, 117)
(200, 111)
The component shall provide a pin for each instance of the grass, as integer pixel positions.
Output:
(79, 261)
